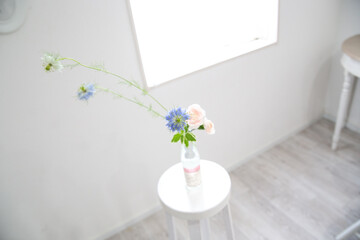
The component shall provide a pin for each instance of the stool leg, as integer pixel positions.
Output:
(349, 231)
(205, 229)
(171, 226)
(228, 223)
(194, 230)
(343, 107)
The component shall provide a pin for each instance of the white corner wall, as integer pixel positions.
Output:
(71, 170)
(348, 25)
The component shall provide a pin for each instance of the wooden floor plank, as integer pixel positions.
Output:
(267, 218)
(294, 200)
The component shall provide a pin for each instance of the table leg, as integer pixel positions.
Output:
(171, 226)
(194, 229)
(205, 229)
(228, 222)
(343, 107)
(353, 229)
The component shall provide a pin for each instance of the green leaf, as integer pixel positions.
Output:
(176, 137)
(186, 142)
(190, 137)
(201, 127)
(182, 139)
(187, 128)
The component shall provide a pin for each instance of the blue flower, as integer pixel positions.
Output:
(86, 91)
(177, 119)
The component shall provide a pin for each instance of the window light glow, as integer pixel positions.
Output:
(177, 37)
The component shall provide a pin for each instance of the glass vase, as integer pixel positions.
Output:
(190, 159)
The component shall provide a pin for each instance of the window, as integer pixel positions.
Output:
(178, 37)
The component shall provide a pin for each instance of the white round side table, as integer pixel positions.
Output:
(351, 63)
(199, 204)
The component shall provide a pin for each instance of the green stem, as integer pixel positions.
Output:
(130, 100)
(118, 76)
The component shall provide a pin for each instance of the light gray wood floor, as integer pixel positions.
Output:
(298, 190)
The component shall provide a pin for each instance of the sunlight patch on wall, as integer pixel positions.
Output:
(176, 37)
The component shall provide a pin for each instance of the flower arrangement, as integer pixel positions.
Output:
(181, 122)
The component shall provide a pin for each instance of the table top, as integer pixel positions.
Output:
(351, 47)
(201, 202)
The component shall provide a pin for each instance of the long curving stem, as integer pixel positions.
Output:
(130, 100)
(118, 76)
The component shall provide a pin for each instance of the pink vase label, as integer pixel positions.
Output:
(192, 176)
(187, 170)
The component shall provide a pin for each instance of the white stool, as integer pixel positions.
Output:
(351, 63)
(196, 205)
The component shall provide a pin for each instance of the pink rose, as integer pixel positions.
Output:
(209, 126)
(197, 116)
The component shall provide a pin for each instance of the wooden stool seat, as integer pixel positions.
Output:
(196, 205)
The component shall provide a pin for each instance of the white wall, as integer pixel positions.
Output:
(348, 25)
(71, 170)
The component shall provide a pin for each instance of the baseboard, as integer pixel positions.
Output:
(129, 223)
(348, 125)
(271, 144)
